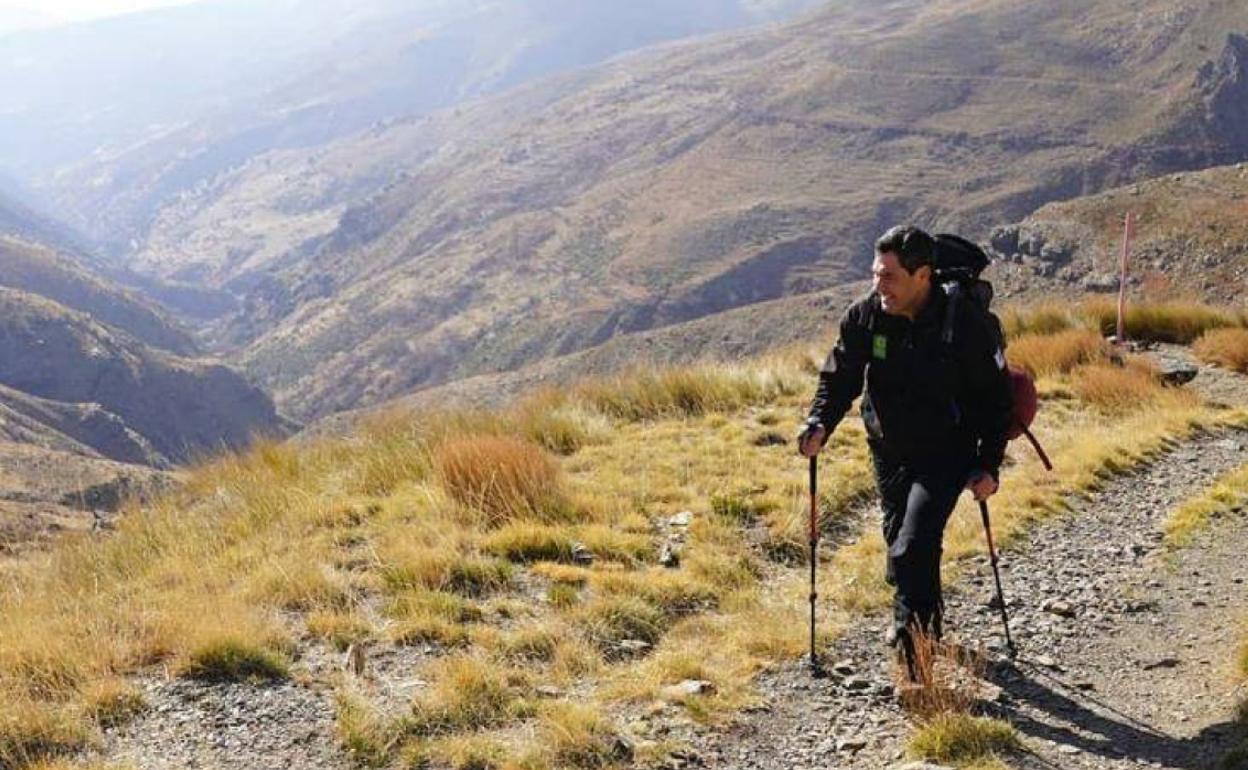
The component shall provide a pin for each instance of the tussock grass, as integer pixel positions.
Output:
(1180, 322)
(111, 702)
(1225, 347)
(532, 643)
(467, 693)
(473, 752)
(31, 731)
(961, 738)
(1173, 321)
(235, 658)
(441, 571)
(1057, 353)
(576, 736)
(530, 542)
(1042, 320)
(688, 392)
(339, 628)
(363, 731)
(298, 583)
(1124, 389)
(1229, 493)
(671, 592)
(607, 621)
(431, 617)
(503, 478)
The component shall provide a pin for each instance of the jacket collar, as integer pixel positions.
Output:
(932, 312)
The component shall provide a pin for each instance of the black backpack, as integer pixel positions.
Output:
(956, 266)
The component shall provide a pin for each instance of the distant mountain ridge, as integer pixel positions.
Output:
(111, 120)
(687, 180)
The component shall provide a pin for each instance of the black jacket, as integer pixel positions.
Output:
(926, 400)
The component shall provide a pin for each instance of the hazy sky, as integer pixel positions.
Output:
(81, 10)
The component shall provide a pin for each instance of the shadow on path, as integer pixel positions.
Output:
(1043, 706)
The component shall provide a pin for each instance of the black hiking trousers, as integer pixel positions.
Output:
(917, 498)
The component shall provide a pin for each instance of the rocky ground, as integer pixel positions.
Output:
(1124, 646)
(1124, 660)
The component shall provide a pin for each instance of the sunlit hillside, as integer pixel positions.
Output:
(530, 587)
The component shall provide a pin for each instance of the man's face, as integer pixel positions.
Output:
(900, 292)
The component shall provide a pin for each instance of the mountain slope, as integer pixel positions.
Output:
(183, 407)
(37, 269)
(691, 179)
(1190, 236)
(113, 119)
(1188, 243)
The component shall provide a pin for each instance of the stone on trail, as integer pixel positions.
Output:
(920, 766)
(851, 744)
(687, 688)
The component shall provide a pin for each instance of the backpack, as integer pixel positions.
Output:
(956, 265)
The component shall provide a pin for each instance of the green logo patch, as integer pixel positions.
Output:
(879, 348)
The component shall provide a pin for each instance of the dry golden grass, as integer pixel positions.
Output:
(1045, 355)
(1229, 493)
(339, 629)
(468, 693)
(1124, 389)
(503, 478)
(961, 738)
(458, 531)
(1173, 321)
(1180, 322)
(110, 702)
(685, 392)
(1225, 347)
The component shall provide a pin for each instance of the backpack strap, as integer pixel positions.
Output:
(953, 291)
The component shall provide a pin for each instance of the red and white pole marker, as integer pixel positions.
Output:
(1127, 231)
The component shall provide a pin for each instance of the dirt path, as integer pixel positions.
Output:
(1125, 646)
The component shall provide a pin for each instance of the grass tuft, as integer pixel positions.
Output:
(339, 628)
(111, 702)
(1229, 493)
(1049, 354)
(365, 734)
(232, 658)
(447, 572)
(577, 736)
(503, 478)
(31, 731)
(962, 738)
(609, 620)
(467, 694)
(1225, 347)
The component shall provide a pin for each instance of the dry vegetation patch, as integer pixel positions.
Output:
(519, 551)
(1225, 347)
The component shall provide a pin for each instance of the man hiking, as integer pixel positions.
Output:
(937, 409)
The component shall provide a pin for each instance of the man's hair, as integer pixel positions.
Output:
(913, 247)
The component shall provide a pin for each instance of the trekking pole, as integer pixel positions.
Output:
(996, 575)
(815, 669)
